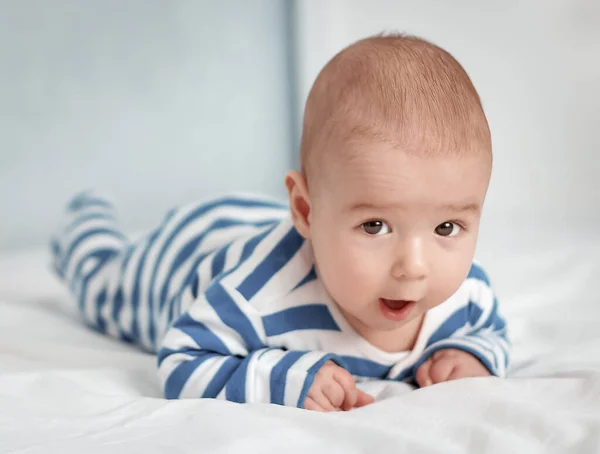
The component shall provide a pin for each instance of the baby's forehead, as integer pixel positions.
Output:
(380, 172)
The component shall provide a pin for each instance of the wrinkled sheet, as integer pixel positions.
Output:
(66, 389)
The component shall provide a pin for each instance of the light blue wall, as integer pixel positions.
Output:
(155, 102)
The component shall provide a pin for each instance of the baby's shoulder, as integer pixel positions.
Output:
(273, 261)
(477, 274)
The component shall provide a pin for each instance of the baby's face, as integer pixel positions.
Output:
(394, 234)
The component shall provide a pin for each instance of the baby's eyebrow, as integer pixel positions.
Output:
(467, 207)
(472, 207)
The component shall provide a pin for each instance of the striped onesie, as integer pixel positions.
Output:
(226, 294)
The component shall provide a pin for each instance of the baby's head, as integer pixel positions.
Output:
(396, 160)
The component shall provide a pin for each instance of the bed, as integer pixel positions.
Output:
(66, 389)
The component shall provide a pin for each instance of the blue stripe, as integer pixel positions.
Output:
(228, 311)
(126, 338)
(164, 352)
(191, 246)
(100, 301)
(85, 235)
(135, 294)
(222, 376)
(173, 302)
(127, 331)
(476, 272)
(218, 263)
(404, 374)
(134, 303)
(193, 280)
(118, 296)
(201, 210)
(281, 254)
(187, 250)
(85, 218)
(204, 338)
(311, 276)
(251, 245)
(181, 374)
(364, 367)
(235, 390)
(117, 307)
(84, 200)
(101, 254)
(126, 257)
(278, 378)
(474, 312)
(309, 316)
(457, 320)
(493, 318)
(56, 255)
(193, 277)
(84, 283)
(181, 257)
(248, 249)
(183, 254)
(194, 286)
(482, 344)
(135, 331)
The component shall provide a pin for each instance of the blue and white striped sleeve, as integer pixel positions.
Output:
(217, 348)
(477, 328)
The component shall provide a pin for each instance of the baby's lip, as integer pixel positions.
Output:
(400, 301)
(396, 310)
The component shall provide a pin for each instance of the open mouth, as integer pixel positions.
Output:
(396, 310)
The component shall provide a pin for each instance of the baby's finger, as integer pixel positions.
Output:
(441, 369)
(444, 352)
(350, 400)
(310, 404)
(334, 393)
(456, 374)
(422, 377)
(464, 371)
(322, 401)
(346, 381)
(363, 399)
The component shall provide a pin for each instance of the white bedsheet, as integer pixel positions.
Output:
(65, 389)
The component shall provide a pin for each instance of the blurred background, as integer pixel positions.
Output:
(161, 102)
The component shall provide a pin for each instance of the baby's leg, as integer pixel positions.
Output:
(132, 290)
(91, 256)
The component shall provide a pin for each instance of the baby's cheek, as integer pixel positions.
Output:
(446, 281)
(363, 265)
(350, 274)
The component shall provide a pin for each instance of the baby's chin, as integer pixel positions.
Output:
(389, 325)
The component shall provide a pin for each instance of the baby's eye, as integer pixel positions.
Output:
(375, 228)
(448, 229)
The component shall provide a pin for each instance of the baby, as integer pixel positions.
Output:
(367, 274)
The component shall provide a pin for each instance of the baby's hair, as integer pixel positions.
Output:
(399, 89)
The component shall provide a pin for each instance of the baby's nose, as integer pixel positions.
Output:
(411, 262)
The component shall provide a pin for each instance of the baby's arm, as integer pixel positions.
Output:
(478, 345)
(217, 350)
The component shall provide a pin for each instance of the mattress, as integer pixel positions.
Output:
(67, 389)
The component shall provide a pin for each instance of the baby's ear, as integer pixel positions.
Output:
(299, 201)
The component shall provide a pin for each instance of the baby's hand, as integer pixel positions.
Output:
(449, 364)
(334, 389)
